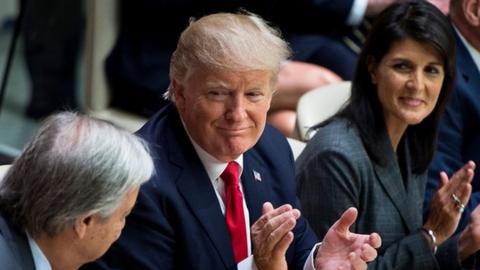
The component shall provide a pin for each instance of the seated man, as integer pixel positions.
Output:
(64, 200)
(224, 196)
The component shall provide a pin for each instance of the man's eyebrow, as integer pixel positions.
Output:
(221, 84)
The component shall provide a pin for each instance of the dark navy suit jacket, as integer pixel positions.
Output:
(177, 222)
(15, 251)
(459, 133)
(315, 31)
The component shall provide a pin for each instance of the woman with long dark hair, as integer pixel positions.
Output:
(374, 153)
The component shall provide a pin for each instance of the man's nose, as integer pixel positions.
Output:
(236, 108)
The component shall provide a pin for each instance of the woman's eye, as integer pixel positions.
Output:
(401, 66)
(432, 70)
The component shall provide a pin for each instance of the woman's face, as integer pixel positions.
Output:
(408, 79)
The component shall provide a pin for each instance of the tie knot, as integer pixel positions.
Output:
(230, 174)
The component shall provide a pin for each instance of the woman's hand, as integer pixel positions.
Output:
(469, 241)
(449, 202)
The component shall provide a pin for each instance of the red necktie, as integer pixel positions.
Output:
(234, 211)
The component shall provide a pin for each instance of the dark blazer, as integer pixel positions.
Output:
(15, 253)
(335, 172)
(315, 31)
(459, 131)
(177, 222)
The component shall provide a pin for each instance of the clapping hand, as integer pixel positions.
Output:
(449, 201)
(344, 250)
(272, 235)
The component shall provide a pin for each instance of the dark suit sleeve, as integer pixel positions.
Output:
(147, 241)
(7, 260)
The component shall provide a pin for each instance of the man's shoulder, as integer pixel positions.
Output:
(270, 133)
(272, 143)
(13, 243)
(158, 123)
(7, 258)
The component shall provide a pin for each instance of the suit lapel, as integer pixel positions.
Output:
(197, 190)
(466, 67)
(255, 181)
(413, 190)
(390, 179)
(18, 244)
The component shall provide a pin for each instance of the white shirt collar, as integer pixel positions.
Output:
(474, 53)
(213, 166)
(41, 262)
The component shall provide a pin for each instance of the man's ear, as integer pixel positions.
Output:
(471, 9)
(372, 66)
(82, 225)
(177, 89)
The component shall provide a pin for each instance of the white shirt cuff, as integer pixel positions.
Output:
(357, 12)
(247, 264)
(310, 262)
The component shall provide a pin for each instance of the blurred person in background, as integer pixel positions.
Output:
(459, 130)
(52, 34)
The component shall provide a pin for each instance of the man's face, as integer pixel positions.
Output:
(102, 233)
(224, 111)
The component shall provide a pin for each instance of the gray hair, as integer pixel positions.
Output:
(227, 41)
(74, 165)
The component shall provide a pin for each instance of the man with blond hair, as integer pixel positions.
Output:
(224, 196)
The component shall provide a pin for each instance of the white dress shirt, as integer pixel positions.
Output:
(41, 262)
(214, 169)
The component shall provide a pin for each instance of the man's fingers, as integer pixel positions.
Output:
(356, 262)
(368, 253)
(267, 207)
(278, 226)
(274, 235)
(375, 240)
(283, 244)
(346, 220)
(269, 213)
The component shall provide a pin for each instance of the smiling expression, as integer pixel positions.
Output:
(224, 111)
(409, 79)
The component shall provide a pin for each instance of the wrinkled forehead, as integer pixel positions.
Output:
(231, 78)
